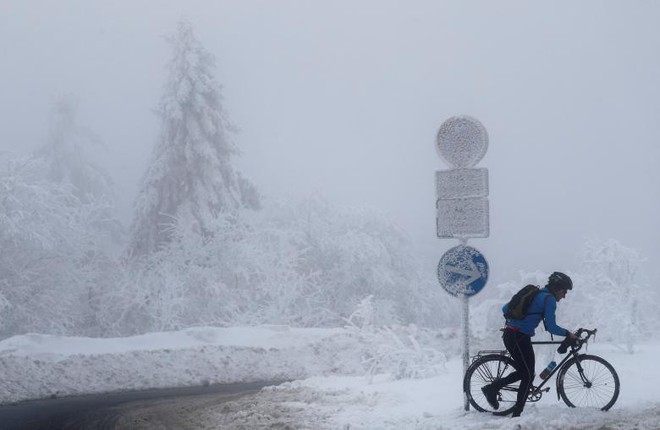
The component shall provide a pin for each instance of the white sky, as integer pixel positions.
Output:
(344, 98)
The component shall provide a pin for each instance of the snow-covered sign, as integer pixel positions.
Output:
(462, 217)
(461, 192)
(462, 141)
(463, 271)
(461, 183)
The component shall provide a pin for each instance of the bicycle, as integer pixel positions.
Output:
(583, 380)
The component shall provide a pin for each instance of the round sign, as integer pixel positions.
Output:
(462, 271)
(462, 141)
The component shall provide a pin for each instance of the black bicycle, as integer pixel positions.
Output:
(583, 380)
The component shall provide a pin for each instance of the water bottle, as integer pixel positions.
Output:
(547, 370)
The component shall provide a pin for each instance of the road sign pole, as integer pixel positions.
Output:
(466, 344)
(466, 337)
(462, 213)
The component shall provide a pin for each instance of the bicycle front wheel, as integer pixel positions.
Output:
(588, 381)
(484, 371)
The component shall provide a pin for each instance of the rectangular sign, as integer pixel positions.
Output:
(462, 218)
(461, 183)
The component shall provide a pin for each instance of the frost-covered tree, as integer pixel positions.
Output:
(67, 161)
(613, 297)
(345, 255)
(190, 176)
(51, 266)
(306, 264)
(65, 155)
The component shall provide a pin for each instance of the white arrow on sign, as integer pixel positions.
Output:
(472, 273)
(459, 263)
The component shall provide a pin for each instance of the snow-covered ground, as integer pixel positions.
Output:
(335, 374)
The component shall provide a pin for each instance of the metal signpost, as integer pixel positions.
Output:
(462, 213)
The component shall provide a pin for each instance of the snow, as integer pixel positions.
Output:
(264, 337)
(329, 387)
(462, 141)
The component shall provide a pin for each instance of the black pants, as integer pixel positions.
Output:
(520, 347)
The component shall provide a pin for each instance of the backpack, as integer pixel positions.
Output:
(520, 302)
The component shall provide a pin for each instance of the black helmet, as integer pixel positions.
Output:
(560, 281)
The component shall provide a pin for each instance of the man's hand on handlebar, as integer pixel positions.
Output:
(571, 339)
(575, 339)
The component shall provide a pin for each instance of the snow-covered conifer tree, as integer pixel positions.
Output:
(68, 162)
(616, 298)
(190, 177)
(65, 154)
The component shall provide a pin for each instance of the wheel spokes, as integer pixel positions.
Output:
(593, 386)
(487, 372)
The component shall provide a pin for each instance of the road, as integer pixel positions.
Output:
(144, 409)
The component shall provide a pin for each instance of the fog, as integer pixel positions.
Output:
(343, 99)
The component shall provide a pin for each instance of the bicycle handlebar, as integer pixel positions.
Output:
(577, 343)
(589, 333)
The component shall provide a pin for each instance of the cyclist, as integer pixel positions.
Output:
(517, 339)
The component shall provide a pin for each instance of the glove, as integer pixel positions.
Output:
(568, 341)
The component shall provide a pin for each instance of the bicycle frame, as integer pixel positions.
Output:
(536, 391)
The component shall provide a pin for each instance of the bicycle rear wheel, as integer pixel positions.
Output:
(588, 381)
(484, 371)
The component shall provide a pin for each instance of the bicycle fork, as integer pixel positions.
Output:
(587, 383)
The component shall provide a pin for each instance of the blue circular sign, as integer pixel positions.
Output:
(463, 271)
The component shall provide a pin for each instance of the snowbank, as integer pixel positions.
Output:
(38, 366)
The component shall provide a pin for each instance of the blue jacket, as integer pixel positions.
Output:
(543, 307)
